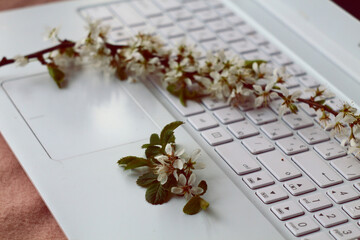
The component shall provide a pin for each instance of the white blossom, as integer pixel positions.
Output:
(264, 96)
(51, 34)
(187, 187)
(21, 61)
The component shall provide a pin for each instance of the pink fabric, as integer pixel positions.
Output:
(23, 214)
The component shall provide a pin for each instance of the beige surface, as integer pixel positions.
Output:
(23, 214)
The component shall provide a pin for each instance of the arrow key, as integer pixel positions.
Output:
(343, 194)
(287, 210)
(299, 186)
(271, 194)
(258, 180)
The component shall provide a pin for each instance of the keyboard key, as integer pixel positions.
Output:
(357, 186)
(203, 121)
(330, 150)
(281, 59)
(256, 55)
(208, 15)
(231, 36)
(313, 135)
(212, 103)
(287, 210)
(318, 236)
(203, 35)
(299, 186)
(276, 130)
(229, 115)
(218, 26)
(308, 81)
(315, 202)
(348, 166)
(298, 121)
(224, 11)
(258, 144)
(308, 110)
(279, 166)
(191, 24)
(269, 49)
(168, 4)
(257, 38)
(147, 8)
(346, 232)
(258, 180)
(291, 83)
(271, 194)
(261, 116)
(302, 226)
(216, 136)
(214, 45)
(161, 21)
(180, 14)
(330, 217)
(237, 158)
(245, 28)
(292, 145)
(243, 129)
(295, 70)
(243, 46)
(234, 20)
(335, 103)
(275, 106)
(196, 6)
(317, 169)
(171, 31)
(343, 194)
(353, 209)
(113, 23)
(132, 17)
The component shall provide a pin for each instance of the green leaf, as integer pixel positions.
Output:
(154, 140)
(249, 63)
(167, 134)
(156, 194)
(131, 162)
(203, 185)
(152, 151)
(195, 205)
(147, 179)
(56, 74)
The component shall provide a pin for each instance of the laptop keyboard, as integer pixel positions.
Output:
(304, 179)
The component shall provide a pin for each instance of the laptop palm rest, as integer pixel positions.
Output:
(90, 114)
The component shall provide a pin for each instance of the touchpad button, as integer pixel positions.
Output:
(89, 115)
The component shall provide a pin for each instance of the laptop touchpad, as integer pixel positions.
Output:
(91, 114)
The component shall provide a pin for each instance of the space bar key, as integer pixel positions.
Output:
(237, 158)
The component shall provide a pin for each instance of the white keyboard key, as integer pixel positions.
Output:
(147, 8)
(348, 166)
(258, 144)
(275, 106)
(196, 6)
(315, 202)
(243, 46)
(132, 17)
(228, 115)
(168, 4)
(203, 35)
(148, 29)
(258, 180)
(172, 31)
(302, 226)
(243, 129)
(246, 28)
(247, 104)
(214, 45)
(313, 135)
(276, 130)
(295, 70)
(261, 116)
(330, 150)
(309, 111)
(318, 236)
(269, 49)
(308, 81)
(292, 145)
(353, 209)
(346, 232)
(279, 166)
(287, 210)
(291, 83)
(203, 121)
(335, 103)
(271, 194)
(180, 14)
(256, 55)
(299, 186)
(257, 38)
(330, 217)
(234, 20)
(343, 194)
(113, 23)
(224, 11)
(161, 21)
(281, 59)
(207, 15)
(218, 26)
(357, 186)
(237, 158)
(213, 104)
(231, 36)
(298, 121)
(98, 12)
(317, 169)
(191, 24)
(216, 136)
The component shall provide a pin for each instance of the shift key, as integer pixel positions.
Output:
(319, 171)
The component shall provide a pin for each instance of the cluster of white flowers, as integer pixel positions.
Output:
(181, 166)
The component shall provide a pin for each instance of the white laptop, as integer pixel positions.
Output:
(69, 140)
